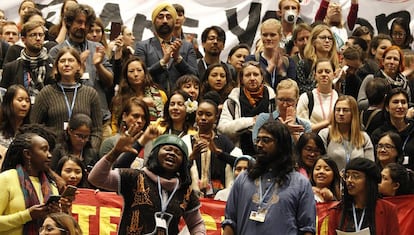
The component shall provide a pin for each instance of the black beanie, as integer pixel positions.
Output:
(365, 165)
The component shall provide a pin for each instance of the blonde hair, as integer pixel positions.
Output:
(296, 1)
(310, 52)
(288, 84)
(274, 23)
(356, 136)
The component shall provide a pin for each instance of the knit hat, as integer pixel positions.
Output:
(171, 140)
(164, 6)
(365, 165)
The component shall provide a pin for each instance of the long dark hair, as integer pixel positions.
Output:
(75, 122)
(83, 182)
(334, 186)
(371, 192)
(283, 157)
(397, 141)
(403, 176)
(183, 173)
(7, 115)
(302, 142)
(189, 117)
(205, 86)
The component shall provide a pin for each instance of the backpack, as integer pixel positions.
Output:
(371, 116)
(310, 103)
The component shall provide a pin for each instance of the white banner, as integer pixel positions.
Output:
(239, 18)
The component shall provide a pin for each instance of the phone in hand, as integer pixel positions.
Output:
(115, 30)
(70, 191)
(53, 198)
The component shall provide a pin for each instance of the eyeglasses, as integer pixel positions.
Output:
(398, 34)
(264, 140)
(286, 101)
(50, 228)
(324, 38)
(352, 176)
(387, 147)
(35, 35)
(81, 137)
(312, 150)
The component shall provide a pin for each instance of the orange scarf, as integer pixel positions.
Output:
(254, 97)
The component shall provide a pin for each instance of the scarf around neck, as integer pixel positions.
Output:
(36, 65)
(31, 198)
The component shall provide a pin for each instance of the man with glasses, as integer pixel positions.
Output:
(271, 198)
(33, 69)
(287, 95)
(166, 57)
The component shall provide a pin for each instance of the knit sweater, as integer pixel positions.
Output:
(50, 109)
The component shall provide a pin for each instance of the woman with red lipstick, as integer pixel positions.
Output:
(361, 209)
(391, 69)
(157, 196)
(344, 139)
(14, 112)
(326, 180)
(396, 107)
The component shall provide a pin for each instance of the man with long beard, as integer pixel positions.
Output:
(166, 57)
(271, 198)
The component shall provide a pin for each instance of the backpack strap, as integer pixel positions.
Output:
(371, 117)
(231, 105)
(310, 102)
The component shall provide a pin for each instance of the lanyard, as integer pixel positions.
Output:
(321, 104)
(357, 225)
(165, 204)
(405, 143)
(70, 108)
(348, 150)
(261, 196)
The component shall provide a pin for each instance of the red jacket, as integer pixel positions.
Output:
(386, 220)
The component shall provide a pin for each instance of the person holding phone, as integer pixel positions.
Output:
(26, 185)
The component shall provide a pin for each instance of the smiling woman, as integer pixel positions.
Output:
(162, 188)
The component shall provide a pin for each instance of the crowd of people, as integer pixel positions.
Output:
(317, 112)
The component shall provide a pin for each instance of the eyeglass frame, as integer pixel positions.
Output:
(264, 140)
(387, 147)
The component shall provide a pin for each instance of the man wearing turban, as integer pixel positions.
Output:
(167, 57)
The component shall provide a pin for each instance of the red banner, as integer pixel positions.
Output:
(99, 213)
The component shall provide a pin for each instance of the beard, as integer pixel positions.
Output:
(164, 30)
(79, 34)
(263, 158)
(35, 49)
